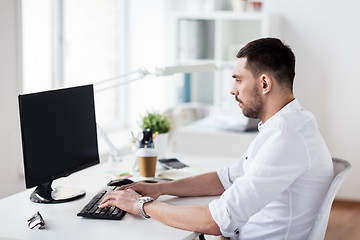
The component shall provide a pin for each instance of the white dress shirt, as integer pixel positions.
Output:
(275, 190)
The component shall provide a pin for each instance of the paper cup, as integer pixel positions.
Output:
(147, 158)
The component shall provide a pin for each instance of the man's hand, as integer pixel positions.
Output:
(126, 200)
(126, 197)
(144, 189)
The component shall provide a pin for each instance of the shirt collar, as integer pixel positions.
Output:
(294, 105)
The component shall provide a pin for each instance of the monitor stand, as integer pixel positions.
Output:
(45, 194)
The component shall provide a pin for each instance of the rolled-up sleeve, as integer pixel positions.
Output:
(228, 174)
(223, 218)
(269, 172)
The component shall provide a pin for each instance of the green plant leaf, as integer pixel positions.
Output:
(158, 122)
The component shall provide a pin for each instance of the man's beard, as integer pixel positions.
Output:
(254, 107)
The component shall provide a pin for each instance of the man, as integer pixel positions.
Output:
(275, 190)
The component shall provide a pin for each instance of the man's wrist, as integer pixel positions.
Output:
(162, 188)
(142, 201)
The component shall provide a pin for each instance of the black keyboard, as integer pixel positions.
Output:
(92, 210)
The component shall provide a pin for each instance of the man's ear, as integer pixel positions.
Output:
(266, 83)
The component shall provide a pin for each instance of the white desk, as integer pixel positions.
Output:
(62, 222)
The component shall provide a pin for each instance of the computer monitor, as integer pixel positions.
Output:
(59, 137)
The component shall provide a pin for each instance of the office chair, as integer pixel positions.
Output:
(341, 170)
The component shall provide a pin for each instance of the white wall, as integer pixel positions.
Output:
(323, 34)
(325, 37)
(10, 75)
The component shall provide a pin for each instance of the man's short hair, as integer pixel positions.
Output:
(271, 56)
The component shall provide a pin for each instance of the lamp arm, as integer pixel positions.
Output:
(164, 71)
(118, 84)
(114, 153)
(142, 72)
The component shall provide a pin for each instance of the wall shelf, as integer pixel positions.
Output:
(217, 37)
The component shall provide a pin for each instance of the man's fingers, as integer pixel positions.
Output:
(106, 203)
(123, 187)
(110, 196)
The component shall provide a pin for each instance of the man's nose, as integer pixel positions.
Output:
(233, 90)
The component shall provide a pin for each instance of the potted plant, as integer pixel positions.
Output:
(160, 124)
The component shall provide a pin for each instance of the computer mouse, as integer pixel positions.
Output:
(120, 182)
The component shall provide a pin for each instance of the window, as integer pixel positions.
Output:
(37, 28)
(75, 42)
(68, 43)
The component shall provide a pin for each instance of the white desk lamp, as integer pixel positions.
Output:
(140, 74)
(159, 72)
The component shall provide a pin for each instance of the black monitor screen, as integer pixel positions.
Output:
(59, 134)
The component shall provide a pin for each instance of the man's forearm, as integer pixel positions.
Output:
(207, 184)
(191, 218)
